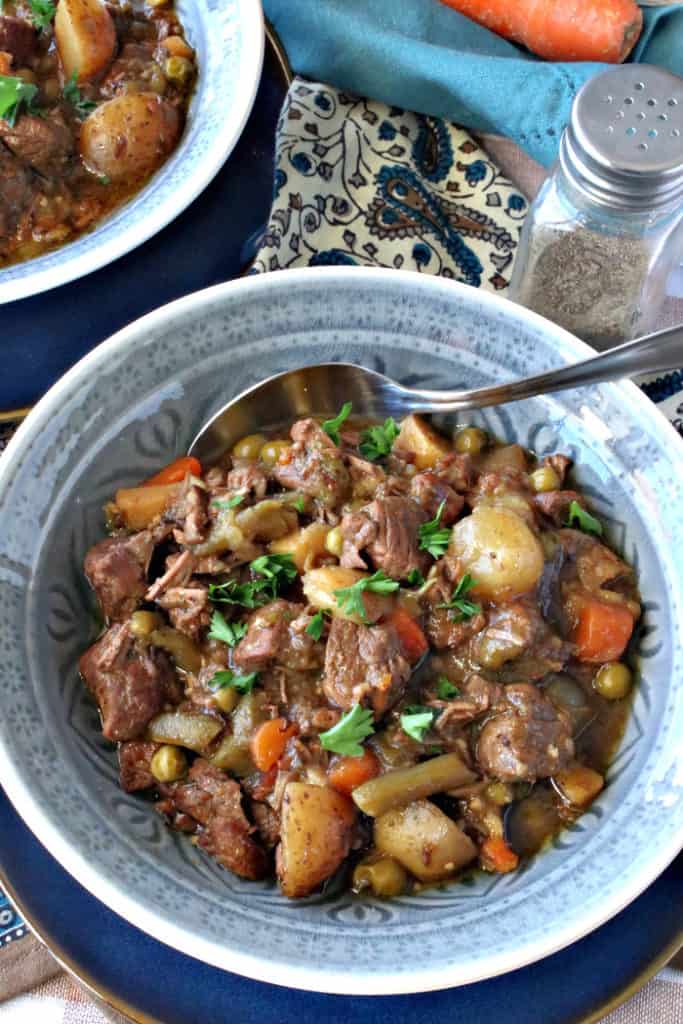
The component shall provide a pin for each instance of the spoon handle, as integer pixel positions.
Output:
(653, 353)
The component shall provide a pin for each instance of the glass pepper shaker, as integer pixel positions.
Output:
(606, 228)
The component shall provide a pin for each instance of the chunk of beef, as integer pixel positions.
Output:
(364, 665)
(130, 683)
(314, 466)
(135, 757)
(554, 505)
(366, 477)
(560, 463)
(277, 633)
(117, 571)
(214, 801)
(456, 470)
(387, 529)
(188, 608)
(476, 697)
(267, 822)
(15, 193)
(530, 739)
(431, 491)
(133, 64)
(19, 38)
(44, 143)
(519, 644)
(196, 515)
(442, 625)
(594, 564)
(250, 481)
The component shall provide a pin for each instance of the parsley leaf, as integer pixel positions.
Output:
(459, 607)
(14, 92)
(376, 442)
(298, 504)
(243, 684)
(72, 94)
(315, 626)
(279, 568)
(433, 537)
(445, 689)
(416, 721)
(331, 427)
(42, 13)
(347, 735)
(350, 599)
(583, 519)
(233, 502)
(415, 578)
(229, 632)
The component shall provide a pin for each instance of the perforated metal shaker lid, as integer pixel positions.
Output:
(623, 145)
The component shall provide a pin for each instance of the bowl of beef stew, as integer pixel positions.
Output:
(113, 118)
(359, 681)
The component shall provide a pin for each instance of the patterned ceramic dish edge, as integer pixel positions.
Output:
(228, 36)
(134, 403)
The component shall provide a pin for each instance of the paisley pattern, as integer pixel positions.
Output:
(360, 183)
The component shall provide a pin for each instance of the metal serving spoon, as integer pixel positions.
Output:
(322, 389)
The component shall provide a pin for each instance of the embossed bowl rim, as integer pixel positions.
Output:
(311, 976)
(147, 218)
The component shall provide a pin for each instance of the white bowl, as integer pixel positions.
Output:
(228, 36)
(135, 403)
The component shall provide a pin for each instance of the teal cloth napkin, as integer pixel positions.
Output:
(423, 56)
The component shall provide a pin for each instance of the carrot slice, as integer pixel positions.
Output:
(602, 632)
(176, 471)
(412, 639)
(269, 741)
(347, 773)
(496, 855)
(599, 30)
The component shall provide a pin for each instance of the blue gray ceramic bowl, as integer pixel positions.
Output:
(228, 37)
(136, 402)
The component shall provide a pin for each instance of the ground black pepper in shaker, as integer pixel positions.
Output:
(606, 229)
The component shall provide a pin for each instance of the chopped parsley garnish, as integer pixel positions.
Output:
(445, 689)
(279, 568)
(274, 572)
(233, 502)
(434, 538)
(331, 427)
(104, 179)
(377, 442)
(315, 626)
(459, 607)
(415, 578)
(229, 632)
(350, 599)
(13, 93)
(72, 94)
(348, 734)
(42, 13)
(416, 721)
(584, 520)
(243, 684)
(298, 504)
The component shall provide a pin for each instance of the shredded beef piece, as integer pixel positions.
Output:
(366, 477)
(214, 801)
(267, 822)
(250, 481)
(130, 683)
(196, 515)
(44, 143)
(19, 38)
(135, 757)
(531, 739)
(430, 491)
(560, 463)
(456, 470)
(364, 665)
(314, 466)
(277, 632)
(117, 571)
(477, 696)
(388, 530)
(188, 609)
(179, 569)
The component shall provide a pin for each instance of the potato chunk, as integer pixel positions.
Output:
(127, 138)
(184, 729)
(304, 545)
(139, 506)
(317, 828)
(86, 38)
(498, 550)
(320, 585)
(423, 441)
(424, 840)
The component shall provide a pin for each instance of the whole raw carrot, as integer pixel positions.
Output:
(600, 30)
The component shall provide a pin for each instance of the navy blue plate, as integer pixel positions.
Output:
(151, 982)
(46, 334)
